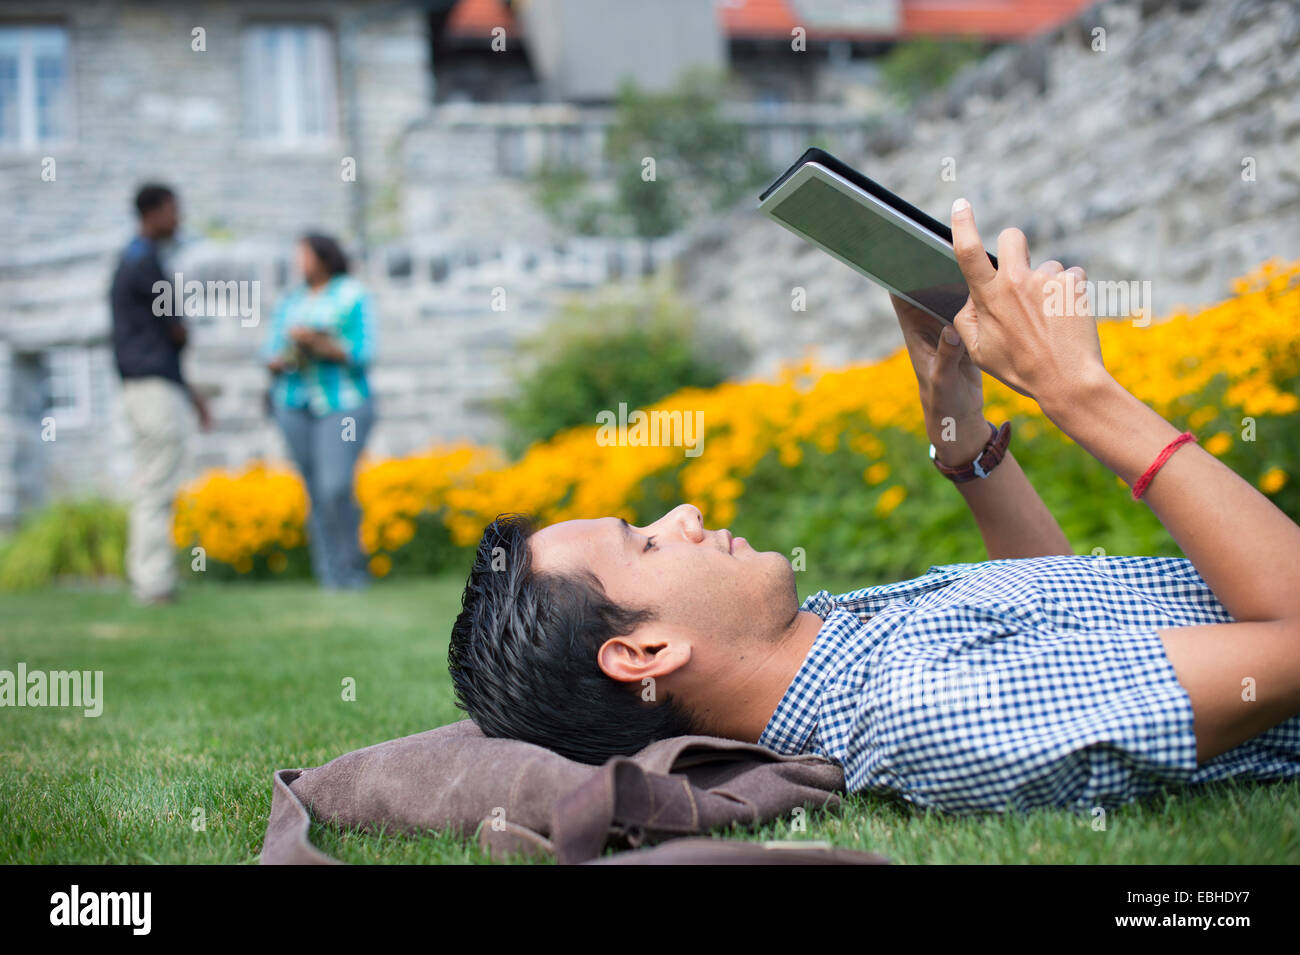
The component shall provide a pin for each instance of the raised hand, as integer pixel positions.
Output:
(951, 387)
(1029, 328)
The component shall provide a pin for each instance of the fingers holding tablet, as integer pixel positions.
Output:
(969, 249)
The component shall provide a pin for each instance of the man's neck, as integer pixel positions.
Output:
(752, 698)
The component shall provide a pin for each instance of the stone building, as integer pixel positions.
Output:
(397, 126)
(249, 116)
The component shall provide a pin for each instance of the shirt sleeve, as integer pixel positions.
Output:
(276, 339)
(359, 331)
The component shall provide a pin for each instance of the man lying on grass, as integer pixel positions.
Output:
(1036, 678)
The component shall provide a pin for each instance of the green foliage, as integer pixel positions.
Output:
(634, 347)
(277, 563)
(700, 164)
(566, 196)
(431, 551)
(913, 69)
(825, 506)
(80, 539)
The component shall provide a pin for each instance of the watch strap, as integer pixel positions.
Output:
(990, 457)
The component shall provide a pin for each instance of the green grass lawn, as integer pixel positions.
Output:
(204, 699)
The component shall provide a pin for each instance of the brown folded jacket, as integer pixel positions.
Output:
(524, 798)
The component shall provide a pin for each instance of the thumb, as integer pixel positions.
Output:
(967, 326)
(950, 347)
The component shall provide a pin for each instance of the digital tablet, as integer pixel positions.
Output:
(869, 229)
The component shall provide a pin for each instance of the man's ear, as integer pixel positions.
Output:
(652, 650)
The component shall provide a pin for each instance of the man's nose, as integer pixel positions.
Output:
(690, 519)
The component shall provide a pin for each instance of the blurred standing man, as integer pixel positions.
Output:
(148, 347)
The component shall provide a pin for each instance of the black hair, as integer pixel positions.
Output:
(151, 196)
(327, 251)
(523, 656)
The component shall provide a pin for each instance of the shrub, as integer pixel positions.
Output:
(67, 539)
(833, 460)
(915, 68)
(701, 164)
(620, 346)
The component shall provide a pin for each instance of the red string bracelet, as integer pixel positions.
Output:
(1159, 462)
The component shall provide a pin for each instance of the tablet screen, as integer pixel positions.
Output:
(877, 243)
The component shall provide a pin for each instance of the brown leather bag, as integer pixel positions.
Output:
(520, 797)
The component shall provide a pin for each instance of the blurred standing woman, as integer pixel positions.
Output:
(320, 344)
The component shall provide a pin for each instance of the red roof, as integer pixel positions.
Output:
(474, 18)
(756, 18)
(1002, 19)
(997, 19)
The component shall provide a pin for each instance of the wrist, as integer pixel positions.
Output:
(983, 462)
(958, 443)
(1064, 405)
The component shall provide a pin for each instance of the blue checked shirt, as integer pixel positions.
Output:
(1013, 683)
(341, 308)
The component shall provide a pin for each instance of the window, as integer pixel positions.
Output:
(289, 86)
(67, 386)
(34, 96)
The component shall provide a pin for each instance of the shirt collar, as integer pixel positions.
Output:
(792, 722)
(838, 641)
(820, 603)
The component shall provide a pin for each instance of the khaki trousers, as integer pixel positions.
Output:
(159, 418)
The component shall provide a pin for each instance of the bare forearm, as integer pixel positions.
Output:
(334, 353)
(329, 349)
(1012, 518)
(1243, 546)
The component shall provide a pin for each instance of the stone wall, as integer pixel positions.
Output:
(1127, 160)
(460, 261)
(147, 106)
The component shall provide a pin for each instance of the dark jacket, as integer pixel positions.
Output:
(143, 342)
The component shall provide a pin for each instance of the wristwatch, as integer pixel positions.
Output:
(988, 458)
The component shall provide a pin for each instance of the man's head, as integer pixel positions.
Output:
(158, 210)
(596, 637)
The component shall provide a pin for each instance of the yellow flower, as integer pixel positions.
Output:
(277, 562)
(876, 473)
(1218, 444)
(1271, 481)
(890, 499)
(381, 564)
(1211, 367)
(1284, 403)
(399, 533)
(868, 444)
